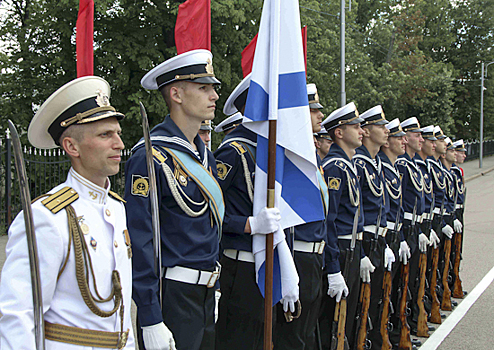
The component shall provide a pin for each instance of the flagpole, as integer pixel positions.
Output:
(268, 283)
(273, 116)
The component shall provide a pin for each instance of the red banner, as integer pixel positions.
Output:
(193, 27)
(248, 53)
(84, 38)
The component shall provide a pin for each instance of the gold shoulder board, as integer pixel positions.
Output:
(240, 149)
(63, 198)
(115, 195)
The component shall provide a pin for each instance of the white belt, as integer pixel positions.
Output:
(360, 236)
(239, 255)
(191, 276)
(438, 211)
(309, 247)
(372, 229)
(428, 216)
(459, 206)
(418, 218)
(391, 226)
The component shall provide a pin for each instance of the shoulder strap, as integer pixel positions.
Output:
(60, 199)
(115, 195)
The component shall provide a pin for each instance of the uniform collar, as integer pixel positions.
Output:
(363, 153)
(241, 133)
(87, 189)
(168, 134)
(336, 152)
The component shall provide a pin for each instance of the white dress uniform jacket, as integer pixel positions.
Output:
(62, 301)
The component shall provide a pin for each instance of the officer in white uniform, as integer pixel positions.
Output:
(79, 118)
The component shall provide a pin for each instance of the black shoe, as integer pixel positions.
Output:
(416, 342)
(454, 303)
(432, 328)
(465, 292)
(443, 315)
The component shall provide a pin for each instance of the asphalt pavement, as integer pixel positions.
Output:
(474, 328)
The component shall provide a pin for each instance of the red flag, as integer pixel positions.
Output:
(84, 38)
(248, 56)
(193, 27)
(304, 44)
(248, 53)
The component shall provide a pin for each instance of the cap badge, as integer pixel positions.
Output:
(209, 67)
(102, 99)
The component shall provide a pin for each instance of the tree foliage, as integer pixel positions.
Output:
(414, 57)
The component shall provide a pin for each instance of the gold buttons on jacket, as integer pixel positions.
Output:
(107, 212)
(115, 244)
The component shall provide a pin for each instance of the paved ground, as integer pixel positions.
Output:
(475, 329)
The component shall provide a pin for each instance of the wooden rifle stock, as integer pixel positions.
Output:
(405, 341)
(446, 302)
(457, 287)
(339, 323)
(386, 344)
(435, 314)
(422, 328)
(365, 292)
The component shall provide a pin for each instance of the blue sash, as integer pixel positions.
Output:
(206, 182)
(324, 191)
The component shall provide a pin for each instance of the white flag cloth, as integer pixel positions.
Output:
(278, 91)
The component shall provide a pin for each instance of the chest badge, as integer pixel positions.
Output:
(93, 243)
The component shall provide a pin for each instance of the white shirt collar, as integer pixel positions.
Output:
(87, 189)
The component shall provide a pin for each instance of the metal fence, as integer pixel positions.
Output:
(473, 149)
(45, 169)
(48, 168)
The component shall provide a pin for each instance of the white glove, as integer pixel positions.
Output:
(267, 221)
(366, 268)
(457, 225)
(290, 299)
(217, 296)
(389, 258)
(423, 242)
(448, 231)
(404, 252)
(158, 337)
(337, 286)
(434, 239)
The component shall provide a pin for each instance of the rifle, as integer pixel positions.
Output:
(446, 302)
(339, 341)
(365, 292)
(405, 340)
(386, 344)
(435, 314)
(364, 300)
(457, 287)
(422, 327)
(153, 196)
(39, 324)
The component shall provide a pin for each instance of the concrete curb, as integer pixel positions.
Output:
(473, 177)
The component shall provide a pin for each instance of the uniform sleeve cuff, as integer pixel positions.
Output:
(234, 223)
(332, 266)
(149, 315)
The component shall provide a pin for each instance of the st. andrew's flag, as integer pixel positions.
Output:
(278, 91)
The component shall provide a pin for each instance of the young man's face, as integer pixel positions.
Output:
(460, 156)
(323, 145)
(99, 150)
(316, 119)
(205, 136)
(397, 145)
(378, 134)
(441, 147)
(429, 147)
(198, 100)
(352, 135)
(451, 156)
(415, 141)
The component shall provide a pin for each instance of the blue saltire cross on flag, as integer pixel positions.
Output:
(278, 91)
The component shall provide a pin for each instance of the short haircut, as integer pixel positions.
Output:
(331, 132)
(165, 91)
